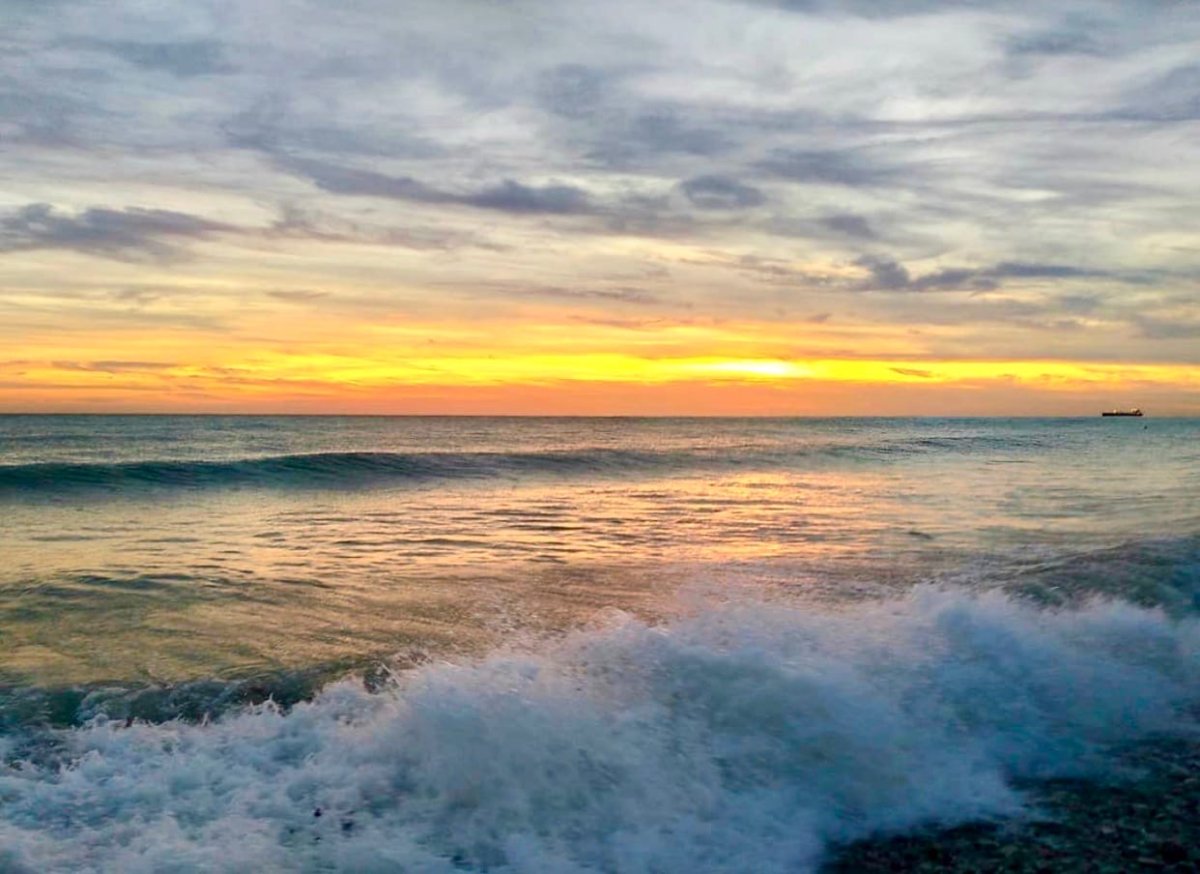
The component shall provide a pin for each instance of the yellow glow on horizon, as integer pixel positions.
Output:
(529, 362)
(625, 368)
(381, 368)
(755, 369)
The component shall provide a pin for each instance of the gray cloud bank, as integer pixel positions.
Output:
(961, 147)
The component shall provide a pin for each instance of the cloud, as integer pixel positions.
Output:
(1024, 270)
(629, 324)
(842, 229)
(511, 196)
(665, 131)
(827, 167)
(272, 124)
(507, 196)
(1058, 41)
(130, 234)
(848, 225)
(618, 129)
(1078, 303)
(626, 213)
(1158, 328)
(889, 275)
(721, 192)
(876, 9)
(137, 295)
(777, 272)
(299, 295)
(572, 91)
(886, 275)
(201, 57)
(300, 224)
(338, 179)
(616, 295)
(115, 366)
(1171, 97)
(1037, 147)
(35, 117)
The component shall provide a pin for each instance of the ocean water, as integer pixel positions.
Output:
(560, 645)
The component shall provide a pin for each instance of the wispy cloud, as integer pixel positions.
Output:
(721, 192)
(506, 195)
(297, 295)
(132, 234)
(115, 366)
(829, 167)
(888, 275)
(203, 57)
(935, 177)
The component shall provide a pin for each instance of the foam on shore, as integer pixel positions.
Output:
(744, 738)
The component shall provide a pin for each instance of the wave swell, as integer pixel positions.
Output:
(316, 470)
(365, 469)
(745, 738)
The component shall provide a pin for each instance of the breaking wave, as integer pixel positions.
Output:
(741, 738)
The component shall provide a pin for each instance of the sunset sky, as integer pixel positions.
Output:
(615, 207)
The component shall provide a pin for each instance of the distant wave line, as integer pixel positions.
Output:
(364, 469)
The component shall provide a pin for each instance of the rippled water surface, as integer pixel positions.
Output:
(583, 639)
(176, 547)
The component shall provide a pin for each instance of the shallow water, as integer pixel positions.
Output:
(609, 644)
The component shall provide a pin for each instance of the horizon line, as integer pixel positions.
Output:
(213, 414)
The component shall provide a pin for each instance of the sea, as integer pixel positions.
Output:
(381, 644)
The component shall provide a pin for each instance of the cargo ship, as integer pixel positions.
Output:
(1133, 412)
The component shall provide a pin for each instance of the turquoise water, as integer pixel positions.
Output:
(571, 644)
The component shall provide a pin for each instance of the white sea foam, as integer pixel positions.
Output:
(740, 739)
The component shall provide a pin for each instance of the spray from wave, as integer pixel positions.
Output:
(745, 738)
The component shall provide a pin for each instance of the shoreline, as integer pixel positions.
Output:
(1149, 821)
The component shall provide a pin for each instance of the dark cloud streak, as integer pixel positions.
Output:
(889, 275)
(721, 193)
(848, 168)
(116, 366)
(507, 196)
(130, 234)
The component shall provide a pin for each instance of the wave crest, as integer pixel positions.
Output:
(315, 470)
(739, 739)
(364, 469)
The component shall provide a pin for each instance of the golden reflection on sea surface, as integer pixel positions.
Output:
(233, 582)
